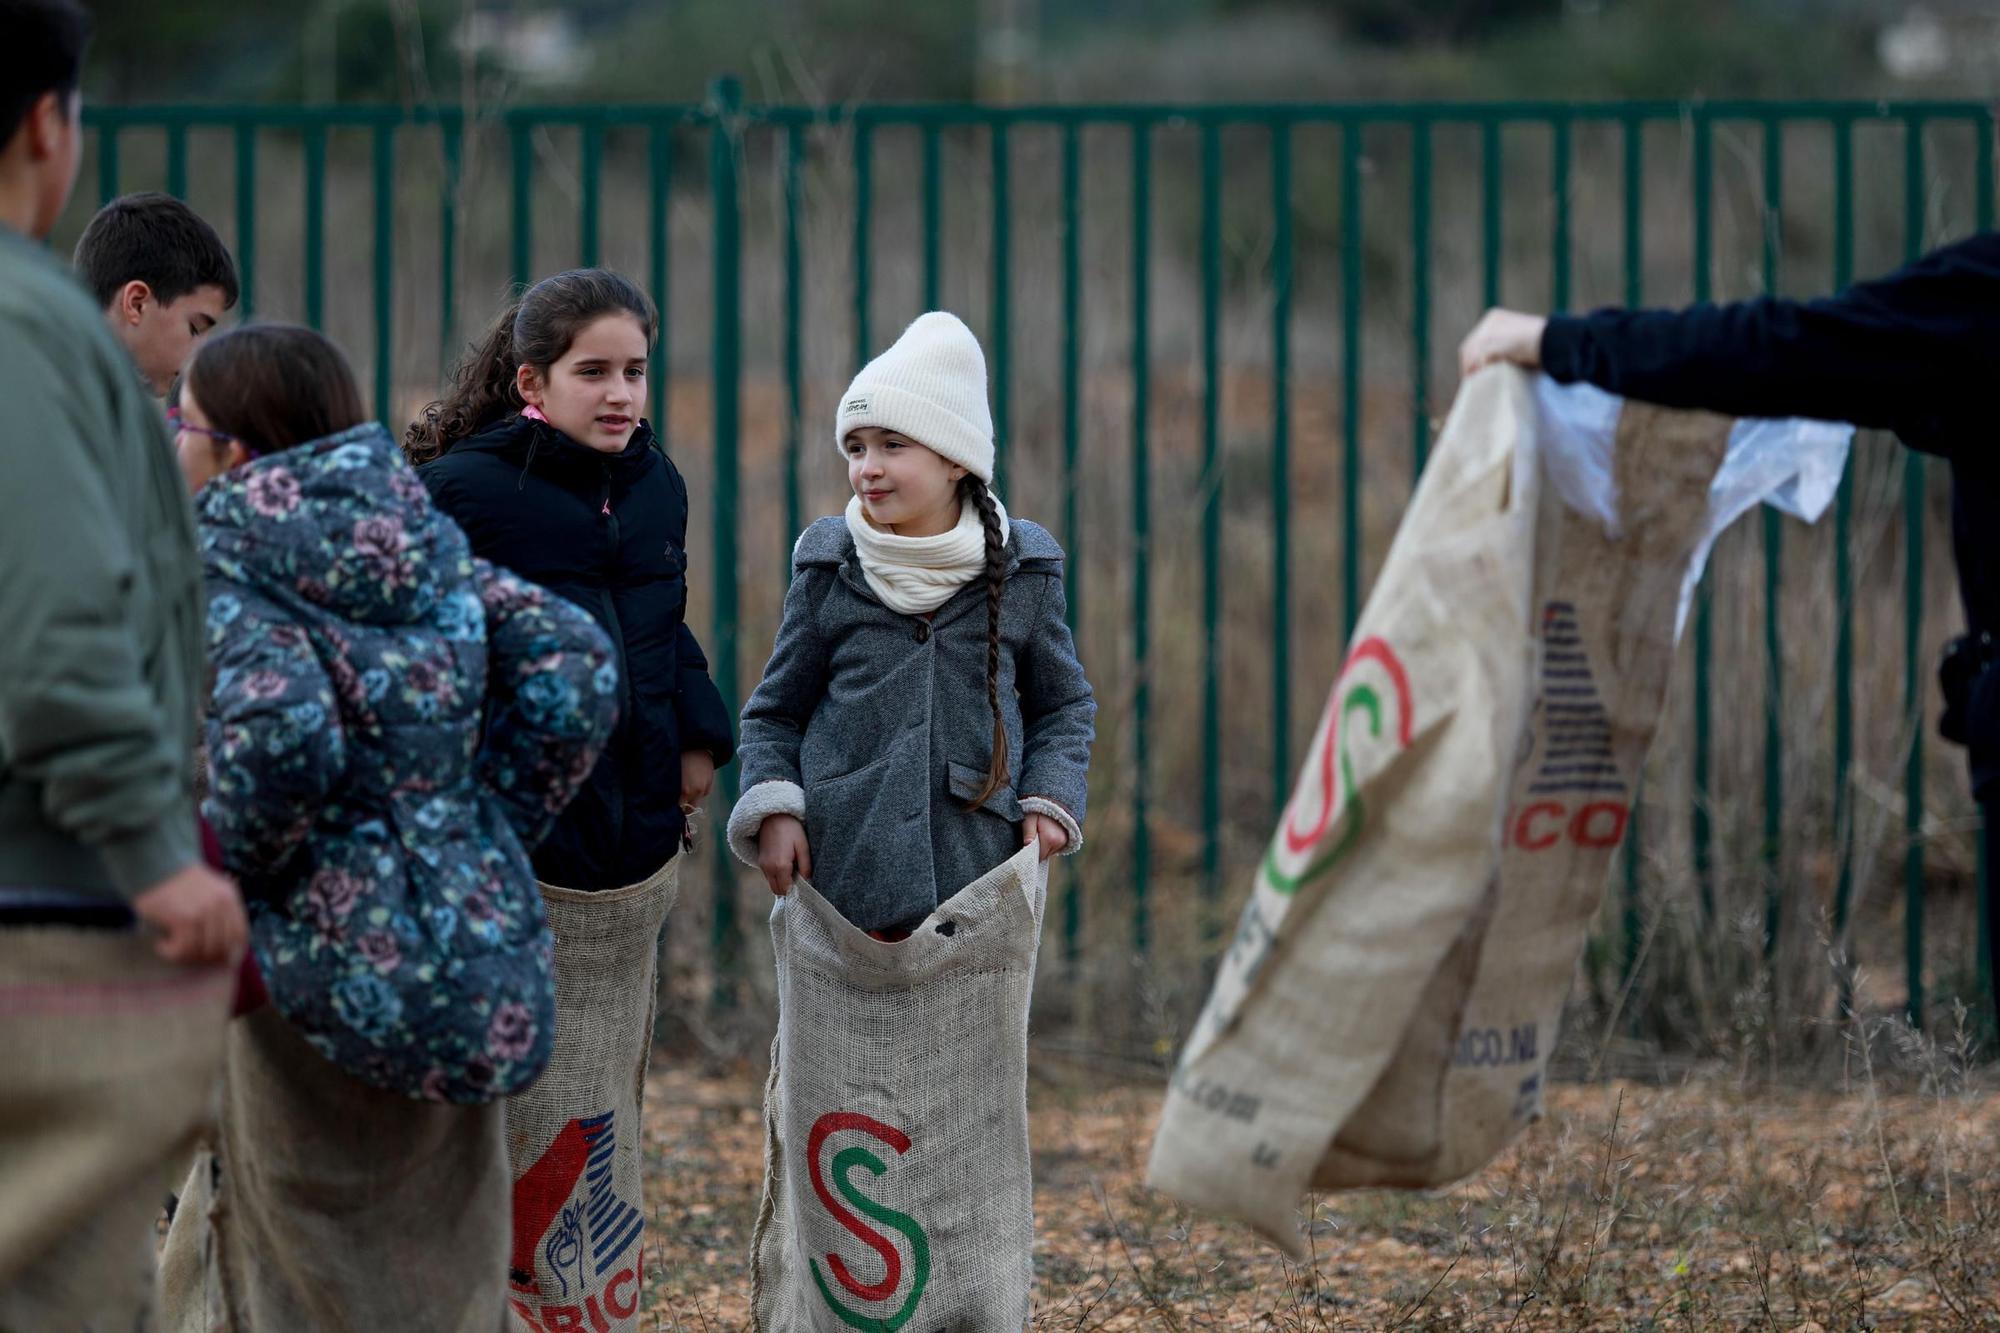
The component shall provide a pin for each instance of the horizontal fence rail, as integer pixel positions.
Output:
(1220, 339)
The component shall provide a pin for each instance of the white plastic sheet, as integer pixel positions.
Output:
(1793, 465)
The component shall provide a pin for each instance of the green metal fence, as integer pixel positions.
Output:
(1472, 204)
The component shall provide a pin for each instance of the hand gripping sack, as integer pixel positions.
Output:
(1386, 1010)
(897, 1188)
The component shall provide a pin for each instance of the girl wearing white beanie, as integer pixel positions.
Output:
(923, 728)
(901, 744)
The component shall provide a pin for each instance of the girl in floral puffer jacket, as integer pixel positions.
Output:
(393, 726)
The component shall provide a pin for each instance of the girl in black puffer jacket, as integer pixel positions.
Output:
(540, 454)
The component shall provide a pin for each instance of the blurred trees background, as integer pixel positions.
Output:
(1001, 50)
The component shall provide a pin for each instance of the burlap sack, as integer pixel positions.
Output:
(331, 1205)
(108, 1060)
(1387, 1009)
(899, 1084)
(574, 1137)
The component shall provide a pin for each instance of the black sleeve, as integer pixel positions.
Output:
(443, 489)
(705, 720)
(1906, 352)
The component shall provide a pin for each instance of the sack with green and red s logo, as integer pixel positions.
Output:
(898, 1192)
(1386, 1011)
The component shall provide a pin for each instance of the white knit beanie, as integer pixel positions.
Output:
(931, 386)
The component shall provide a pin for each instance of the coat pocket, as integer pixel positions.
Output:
(870, 852)
(965, 782)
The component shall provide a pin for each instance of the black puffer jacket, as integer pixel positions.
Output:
(608, 532)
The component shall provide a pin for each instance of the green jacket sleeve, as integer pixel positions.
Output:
(77, 715)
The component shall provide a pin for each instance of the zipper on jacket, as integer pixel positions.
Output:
(626, 694)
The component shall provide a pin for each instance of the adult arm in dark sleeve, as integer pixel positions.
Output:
(1904, 352)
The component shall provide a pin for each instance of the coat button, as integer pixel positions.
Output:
(923, 631)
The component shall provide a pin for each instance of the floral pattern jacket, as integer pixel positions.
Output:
(393, 725)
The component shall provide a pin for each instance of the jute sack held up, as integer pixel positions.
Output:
(897, 1188)
(574, 1138)
(1387, 1008)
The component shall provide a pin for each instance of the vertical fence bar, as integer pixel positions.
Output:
(1211, 530)
(795, 407)
(1633, 133)
(1983, 966)
(1420, 294)
(1559, 243)
(1490, 190)
(1142, 667)
(522, 150)
(933, 216)
(1000, 349)
(1072, 431)
(864, 207)
(177, 160)
(453, 135)
(1843, 592)
(1982, 195)
(315, 245)
(384, 155)
(246, 217)
(725, 96)
(1281, 464)
(660, 267)
(1774, 547)
(1350, 372)
(107, 164)
(589, 186)
(1704, 611)
(1913, 618)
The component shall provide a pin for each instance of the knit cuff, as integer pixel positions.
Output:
(757, 805)
(1041, 805)
(1564, 340)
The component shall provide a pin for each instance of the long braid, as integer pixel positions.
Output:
(972, 488)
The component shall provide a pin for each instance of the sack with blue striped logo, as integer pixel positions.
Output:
(578, 1260)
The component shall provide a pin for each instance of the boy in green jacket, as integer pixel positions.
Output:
(116, 942)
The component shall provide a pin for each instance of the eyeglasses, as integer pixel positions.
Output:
(180, 423)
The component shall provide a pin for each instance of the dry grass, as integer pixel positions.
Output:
(1697, 1204)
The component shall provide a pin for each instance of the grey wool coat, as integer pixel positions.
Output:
(873, 728)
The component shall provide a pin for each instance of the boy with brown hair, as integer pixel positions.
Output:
(162, 277)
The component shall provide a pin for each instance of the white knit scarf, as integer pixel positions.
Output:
(917, 575)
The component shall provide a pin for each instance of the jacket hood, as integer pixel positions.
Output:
(340, 523)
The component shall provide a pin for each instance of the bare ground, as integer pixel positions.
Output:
(1631, 1206)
